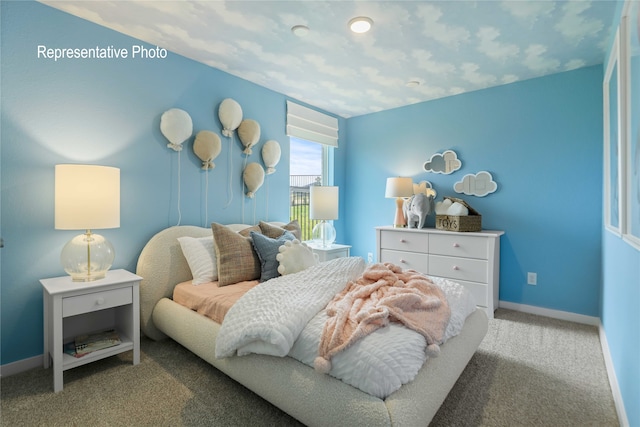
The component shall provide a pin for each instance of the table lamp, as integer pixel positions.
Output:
(323, 206)
(87, 197)
(399, 187)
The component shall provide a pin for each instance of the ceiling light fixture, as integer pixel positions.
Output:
(360, 24)
(300, 30)
(413, 83)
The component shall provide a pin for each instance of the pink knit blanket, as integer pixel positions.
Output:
(382, 294)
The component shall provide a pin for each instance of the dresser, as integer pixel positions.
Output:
(471, 259)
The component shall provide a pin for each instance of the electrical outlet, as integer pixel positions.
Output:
(370, 257)
(532, 278)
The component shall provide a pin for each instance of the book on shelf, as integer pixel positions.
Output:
(88, 343)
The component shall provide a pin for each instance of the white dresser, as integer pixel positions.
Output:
(471, 259)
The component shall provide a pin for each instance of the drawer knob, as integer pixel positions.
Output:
(100, 301)
(403, 241)
(455, 245)
(403, 261)
(455, 267)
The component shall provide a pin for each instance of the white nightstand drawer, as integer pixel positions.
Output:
(96, 301)
(459, 246)
(404, 241)
(336, 254)
(406, 260)
(473, 270)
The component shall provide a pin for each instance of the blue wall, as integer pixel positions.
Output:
(541, 140)
(108, 112)
(620, 301)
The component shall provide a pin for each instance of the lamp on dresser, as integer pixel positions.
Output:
(87, 197)
(323, 205)
(399, 187)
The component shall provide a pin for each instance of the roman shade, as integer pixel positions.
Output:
(311, 125)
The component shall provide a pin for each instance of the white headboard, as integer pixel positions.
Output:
(162, 266)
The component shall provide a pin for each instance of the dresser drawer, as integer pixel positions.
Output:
(480, 291)
(404, 241)
(473, 270)
(459, 246)
(406, 260)
(96, 301)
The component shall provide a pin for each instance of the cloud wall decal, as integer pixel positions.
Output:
(479, 184)
(444, 163)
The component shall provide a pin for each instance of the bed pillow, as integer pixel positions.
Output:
(267, 250)
(201, 257)
(237, 261)
(294, 256)
(274, 231)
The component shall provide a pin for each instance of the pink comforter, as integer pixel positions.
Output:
(382, 294)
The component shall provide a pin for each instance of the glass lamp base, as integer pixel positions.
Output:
(323, 234)
(87, 257)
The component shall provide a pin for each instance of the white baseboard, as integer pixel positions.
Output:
(554, 314)
(13, 368)
(587, 320)
(613, 379)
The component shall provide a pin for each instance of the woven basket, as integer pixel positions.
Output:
(471, 222)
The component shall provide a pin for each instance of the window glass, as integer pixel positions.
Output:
(308, 166)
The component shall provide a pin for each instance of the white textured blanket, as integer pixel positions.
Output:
(269, 318)
(285, 316)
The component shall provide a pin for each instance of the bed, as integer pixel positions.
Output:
(313, 398)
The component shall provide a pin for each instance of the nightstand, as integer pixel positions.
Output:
(330, 252)
(76, 308)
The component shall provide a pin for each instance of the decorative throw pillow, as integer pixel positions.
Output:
(267, 250)
(274, 231)
(295, 256)
(201, 257)
(237, 261)
(246, 232)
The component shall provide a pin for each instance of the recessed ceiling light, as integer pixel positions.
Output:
(413, 83)
(360, 24)
(300, 30)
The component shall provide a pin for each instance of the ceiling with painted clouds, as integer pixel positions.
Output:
(415, 51)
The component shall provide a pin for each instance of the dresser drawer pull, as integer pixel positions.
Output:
(455, 245)
(403, 241)
(100, 301)
(403, 261)
(455, 267)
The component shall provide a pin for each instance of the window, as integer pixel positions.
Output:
(308, 166)
(313, 135)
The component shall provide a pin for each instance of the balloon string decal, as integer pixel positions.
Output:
(230, 187)
(266, 213)
(206, 199)
(179, 211)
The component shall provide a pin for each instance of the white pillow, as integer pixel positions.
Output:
(201, 257)
(295, 256)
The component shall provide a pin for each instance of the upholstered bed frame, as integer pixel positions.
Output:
(312, 398)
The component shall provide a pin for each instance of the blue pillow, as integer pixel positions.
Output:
(267, 249)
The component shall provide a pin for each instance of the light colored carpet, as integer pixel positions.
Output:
(529, 371)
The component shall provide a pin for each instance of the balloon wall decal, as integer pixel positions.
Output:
(249, 133)
(271, 155)
(230, 115)
(177, 127)
(253, 176)
(207, 147)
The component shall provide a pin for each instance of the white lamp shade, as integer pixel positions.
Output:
(324, 202)
(399, 187)
(87, 197)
